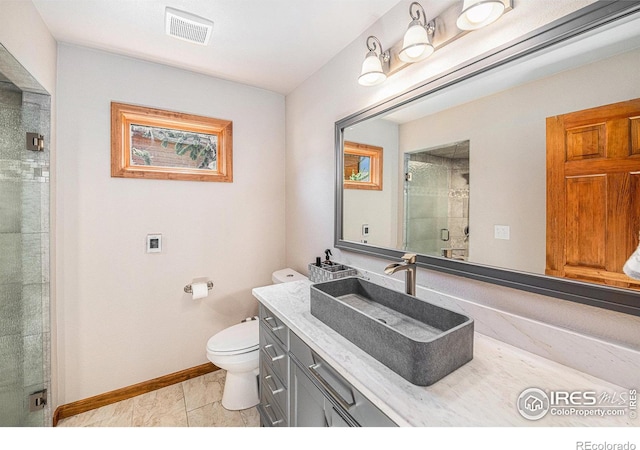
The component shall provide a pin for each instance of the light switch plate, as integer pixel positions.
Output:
(502, 232)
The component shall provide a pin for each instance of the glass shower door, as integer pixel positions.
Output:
(426, 206)
(436, 201)
(24, 257)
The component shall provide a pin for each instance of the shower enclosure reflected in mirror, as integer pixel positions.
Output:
(436, 201)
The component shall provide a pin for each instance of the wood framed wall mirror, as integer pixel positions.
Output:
(499, 104)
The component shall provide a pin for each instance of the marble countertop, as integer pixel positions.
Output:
(483, 392)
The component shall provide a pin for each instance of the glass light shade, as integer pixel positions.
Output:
(416, 45)
(372, 72)
(632, 266)
(479, 13)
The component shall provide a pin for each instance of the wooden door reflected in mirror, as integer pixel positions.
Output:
(593, 184)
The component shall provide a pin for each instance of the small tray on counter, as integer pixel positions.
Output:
(330, 271)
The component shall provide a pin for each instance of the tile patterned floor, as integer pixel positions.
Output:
(192, 403)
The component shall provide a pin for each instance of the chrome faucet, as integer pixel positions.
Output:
(409, 266)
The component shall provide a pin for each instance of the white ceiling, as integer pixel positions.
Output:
(271, 44)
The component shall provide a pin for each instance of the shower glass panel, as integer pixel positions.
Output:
(24, 254)
(436, 201)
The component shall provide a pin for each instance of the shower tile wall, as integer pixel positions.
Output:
(24, 256)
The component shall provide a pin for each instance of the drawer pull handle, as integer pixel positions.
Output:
(325, 384)
(266, 352)
(274, 329)
(273, 421)
(268, 380)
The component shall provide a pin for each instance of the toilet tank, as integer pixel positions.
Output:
(286, 276)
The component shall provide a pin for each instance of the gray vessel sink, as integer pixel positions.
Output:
(420, 341)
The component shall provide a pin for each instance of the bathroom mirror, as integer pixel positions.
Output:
(486, 217)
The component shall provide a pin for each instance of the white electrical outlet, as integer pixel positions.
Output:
(502, 232)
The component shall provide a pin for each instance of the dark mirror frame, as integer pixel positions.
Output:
(584, 20)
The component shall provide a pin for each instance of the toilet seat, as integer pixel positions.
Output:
(235, 340)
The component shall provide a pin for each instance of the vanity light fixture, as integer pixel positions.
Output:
(479, 13)
(416, 44)
(373, 71)
(424, 36)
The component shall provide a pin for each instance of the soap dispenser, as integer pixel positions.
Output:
(327, 260)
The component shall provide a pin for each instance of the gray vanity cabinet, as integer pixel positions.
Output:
(300, 389)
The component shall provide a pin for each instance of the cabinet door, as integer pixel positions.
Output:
(307, 402)
(335, 419)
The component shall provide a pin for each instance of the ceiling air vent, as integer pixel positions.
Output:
(187, 27)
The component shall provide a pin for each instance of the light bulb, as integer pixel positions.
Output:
(416, 45)
(371, 73)
(479, 13)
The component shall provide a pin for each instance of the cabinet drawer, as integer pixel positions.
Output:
(276, 389)
(273, 355)
(275, 326)
(270, 413)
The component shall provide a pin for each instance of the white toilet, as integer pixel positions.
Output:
(236, 349)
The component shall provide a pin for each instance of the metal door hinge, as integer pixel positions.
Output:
(408, 176)
(38, 400)
(35, 142)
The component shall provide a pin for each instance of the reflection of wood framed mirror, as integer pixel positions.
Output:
(362, 166)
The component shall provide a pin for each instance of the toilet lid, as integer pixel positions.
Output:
(240, 338)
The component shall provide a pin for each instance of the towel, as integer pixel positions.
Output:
(632, 266)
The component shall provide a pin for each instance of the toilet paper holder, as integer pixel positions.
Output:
(188, 289)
